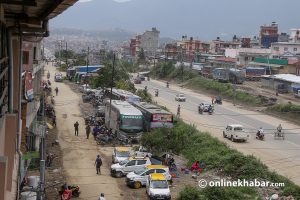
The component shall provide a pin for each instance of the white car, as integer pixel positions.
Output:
(180, 97)
(139, 177)
(120, 154)
(157, 187)
(235, 132)
(129, 165)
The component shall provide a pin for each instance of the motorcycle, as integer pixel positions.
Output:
(210, 111)
(167, 85)
(74, 189)
(260, 136)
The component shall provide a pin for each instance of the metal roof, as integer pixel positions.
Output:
(31, 15)
(126, 108)
(153, 109)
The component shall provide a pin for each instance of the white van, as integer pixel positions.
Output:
(235, 132)
(157, 187)
(138, 178)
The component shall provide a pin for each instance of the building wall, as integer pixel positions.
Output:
(278, 49)
(150, 41)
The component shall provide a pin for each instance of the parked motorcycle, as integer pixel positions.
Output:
(74, 188)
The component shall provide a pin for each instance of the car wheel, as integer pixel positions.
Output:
(137, 185)
(224, 136)
(232, 138)
(119, 174)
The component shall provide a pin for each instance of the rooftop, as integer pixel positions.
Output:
(285, 77)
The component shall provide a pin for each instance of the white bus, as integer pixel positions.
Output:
(125, 119)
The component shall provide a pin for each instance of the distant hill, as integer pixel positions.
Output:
(205, 19)
(117, 35)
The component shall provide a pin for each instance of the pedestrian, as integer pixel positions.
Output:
(212, 100)
(101, 197)
(54, 120)
(76, 126)
(87, 131)
(98, 163)
(56, 91)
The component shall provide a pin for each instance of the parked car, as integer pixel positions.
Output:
(235, 132)
(180, 97)
(129, 165)
(157, 187)
(138, 178)
(120, 154)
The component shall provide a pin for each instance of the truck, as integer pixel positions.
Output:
(282, 88)
(254, 73)
(231, 75)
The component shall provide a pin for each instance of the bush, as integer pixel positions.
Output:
(196, 146)
(189, 193)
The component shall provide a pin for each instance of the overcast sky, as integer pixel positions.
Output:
(203, 19)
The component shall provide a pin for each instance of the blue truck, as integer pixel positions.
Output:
(231, 75)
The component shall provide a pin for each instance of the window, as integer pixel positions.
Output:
(34, 53)
(131, 163)
(141, 162)
(26, 57)
(295, 49)
(285, 49)
(151, 171)
(160, 171)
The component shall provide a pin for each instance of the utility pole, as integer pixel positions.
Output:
(42, 151)
(111, 87)
(67, 54)
(181, 64)
(87, 60)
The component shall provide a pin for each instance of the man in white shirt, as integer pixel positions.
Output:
(101, 197)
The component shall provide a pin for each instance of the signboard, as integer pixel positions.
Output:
(28, 86)
(162, 118)
(31, 155)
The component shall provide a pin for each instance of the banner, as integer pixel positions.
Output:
(28, 86)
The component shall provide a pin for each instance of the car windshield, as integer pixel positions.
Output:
(140, 171)
(159, 184)
(123, 162)
(122, 153)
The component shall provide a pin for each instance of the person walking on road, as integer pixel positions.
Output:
(98, 163)
(76, 126)
(54, 120)
(101, 197)
(87, 131)
(56, 91)
(178, 111)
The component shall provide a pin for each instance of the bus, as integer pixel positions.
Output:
(154, 116)
(124, 95)
(125, 119)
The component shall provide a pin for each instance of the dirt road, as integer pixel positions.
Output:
(79, 153)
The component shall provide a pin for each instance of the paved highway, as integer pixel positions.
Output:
(280, 155)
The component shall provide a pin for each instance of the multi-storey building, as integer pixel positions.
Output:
(268, 34)
(218, 46)
(32, 25)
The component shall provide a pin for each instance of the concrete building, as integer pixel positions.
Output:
(171, 51)
(268, 34)
(246, 55)
(280, 48)
(149, 41)
(295, 36)
(218, 46)
(33, 25)
(283, 37)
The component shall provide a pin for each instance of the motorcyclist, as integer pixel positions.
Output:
(201, 108)
(146, 88)
(260, 133)
(156, 92)
(48, 75)
(178, 110)
(279, 128)
(167, 84)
